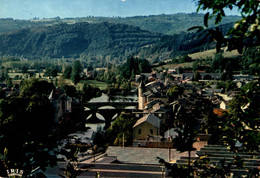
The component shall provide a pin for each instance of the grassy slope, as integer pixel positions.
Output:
(212, 52)
(100, 85)
(175, 66)
(200, 55)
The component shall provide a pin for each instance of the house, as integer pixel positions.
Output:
(241, 77)
(61, 103)
(147, 126)
(210, 76)
(223, 105)
(150, 76)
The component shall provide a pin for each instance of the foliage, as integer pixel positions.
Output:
(163, 23)
(251, 60)
(134, 66)
(119, 78)
(197, 76)
(89, 91)
(92, 42)
(247, 63)
(51, 71)
(246, 28)
(242, 120)
(71, 158)
(100, 137)
(98, 43)
(191, 116)
(174, 92)
(3, 75)
(26, 128)
(70, 91)
(76, 72)
(35, 88)
(123, 125)
(185, 58)
(67, 72)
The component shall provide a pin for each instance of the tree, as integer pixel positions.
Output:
(70, 91)
(246, 28)
(27, 137)
(3, 75)
(67, 72)
(100, 137)
(144, 66)
(76, 71)
(174, 92)
(89, 91)
(242, 120)
(35, 88)
(197, 76)
(186, 124)
(51, 71)
(123, 125)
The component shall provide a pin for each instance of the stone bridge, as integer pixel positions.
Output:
(108, 110)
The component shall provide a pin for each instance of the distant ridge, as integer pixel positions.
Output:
(98, 40)
(73, 41)
(166, 24)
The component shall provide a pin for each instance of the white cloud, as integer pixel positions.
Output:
(123, 0)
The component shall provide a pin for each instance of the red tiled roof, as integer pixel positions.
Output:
(219, 112)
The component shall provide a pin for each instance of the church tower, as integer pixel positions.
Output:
(141, 98)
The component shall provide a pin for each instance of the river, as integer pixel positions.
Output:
(85, 136)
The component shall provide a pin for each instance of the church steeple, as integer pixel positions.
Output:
(141, 98)
(141, 88)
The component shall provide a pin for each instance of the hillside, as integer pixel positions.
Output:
(98, 43)
(165, 24)
(77, 40)
(212, 53)
(97, 40)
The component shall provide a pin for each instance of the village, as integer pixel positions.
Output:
(173, 119)
(165, 106)
(130, 88)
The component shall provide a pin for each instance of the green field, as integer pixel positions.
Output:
(100, 85)
(61, 80)
(175, 66)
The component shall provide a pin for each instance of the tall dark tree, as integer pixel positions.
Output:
(67, 72)
(76, 72)
(197, 76)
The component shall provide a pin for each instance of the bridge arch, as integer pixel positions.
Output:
(108, 110)
(106, 107)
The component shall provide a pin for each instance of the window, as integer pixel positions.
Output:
(151, 131)
(139, 131)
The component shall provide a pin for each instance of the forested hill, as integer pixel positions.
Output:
(76, 40)
(98, 39)
(165, 24)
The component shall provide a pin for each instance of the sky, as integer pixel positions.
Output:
(28, 9)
